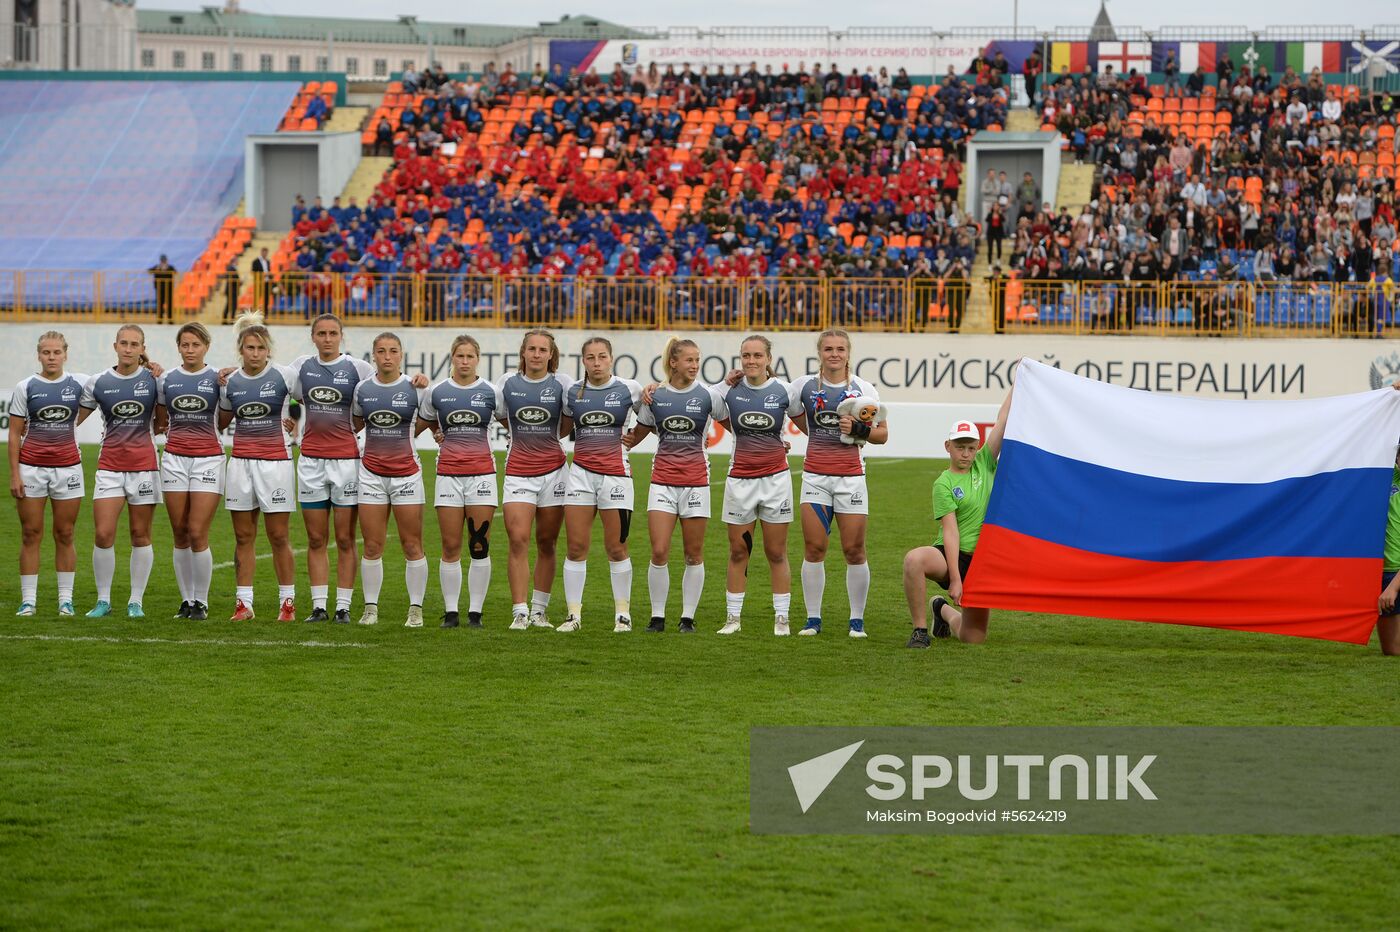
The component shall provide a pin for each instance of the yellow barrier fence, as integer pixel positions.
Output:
(899, 305)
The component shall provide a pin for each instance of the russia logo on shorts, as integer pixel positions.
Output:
(279, 496)
(74, 482)
(145, 488)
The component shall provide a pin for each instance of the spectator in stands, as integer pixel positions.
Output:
(1031, 70)
(262, 280)
(231, 285)
(163, 277)
(1171, 74)
(409, 79)
(1027, 196)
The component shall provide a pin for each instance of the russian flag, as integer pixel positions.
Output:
(1251, 515)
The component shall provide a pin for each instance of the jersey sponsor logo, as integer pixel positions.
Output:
(69, 394)
(958, 493)
(463, 419)
(693, 406)
(325, 395)
(254, 409)
(189, 403)
(532, 414)
(547, 395)
(598, 419)
(612, 398)
(756, 420)
(828, 419)
(400, 398)
(128, 409)
(268, 388)
(53, 414)
(385, 419)
(775, 401)
(678, 424)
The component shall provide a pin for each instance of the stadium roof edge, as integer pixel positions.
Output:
(404, 30)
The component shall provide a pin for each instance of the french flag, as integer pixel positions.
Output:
(1251, 515)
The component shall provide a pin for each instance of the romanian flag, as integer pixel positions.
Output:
(1250, 515)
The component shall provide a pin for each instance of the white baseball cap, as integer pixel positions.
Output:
(964, 430)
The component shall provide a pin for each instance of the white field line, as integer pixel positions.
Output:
(198, 642)
(266, 556)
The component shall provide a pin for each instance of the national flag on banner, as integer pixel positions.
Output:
(1360, 56)
(1250, 515)
(1125, 56)
(1071, 55)
(1193, 55)
(1303, 57)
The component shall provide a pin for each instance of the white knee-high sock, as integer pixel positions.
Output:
(142, 559)
(478, 581)
(813, 587)
(371, 579)
(692, 584)
(450, 580)
(659, 588)
(857, 587)
(104, 567)
(621, 572)
(575, 577)
(201, 574)
(415, 579)
(180, 556)
(29, 589)
(65, 587)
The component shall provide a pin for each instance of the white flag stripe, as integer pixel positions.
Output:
(1312, 56)
(1198, 439)
(1189, 58)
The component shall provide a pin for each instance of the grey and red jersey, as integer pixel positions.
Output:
(463, 413)
(533, 408)
(50, 412)
(128, 404)
(326, 391)
(191, 401)
(389, 412)
(818, 399)
(600, 418)
(259, 404)
(757, 415)
(681, 419)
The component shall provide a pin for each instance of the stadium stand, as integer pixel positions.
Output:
(1233, 199)
(106, 176)
(716, 177)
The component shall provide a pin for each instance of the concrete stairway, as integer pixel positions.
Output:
(346, 120)
(367, 175)
(212, 311)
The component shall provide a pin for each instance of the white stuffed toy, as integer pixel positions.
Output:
(864, 411)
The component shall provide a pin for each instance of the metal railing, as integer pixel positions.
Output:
(891, 305)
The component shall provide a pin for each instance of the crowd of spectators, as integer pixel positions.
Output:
(676, 173)
(1295, 181)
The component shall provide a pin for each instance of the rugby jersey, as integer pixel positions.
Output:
(191, 401)
(826, 454)
(50, 411)
(259, 404)
(600, 418)
(388, 411)
(128, 405)
(757, 414)
(681, 418)
(326, 391)
(463, 413)
(532, 411)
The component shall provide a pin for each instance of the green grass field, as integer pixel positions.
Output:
(203, 775)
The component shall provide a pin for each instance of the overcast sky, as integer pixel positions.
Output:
(1147, 13)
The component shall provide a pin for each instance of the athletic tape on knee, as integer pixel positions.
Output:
(625, 515)
(824, 514)
(478, 544)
